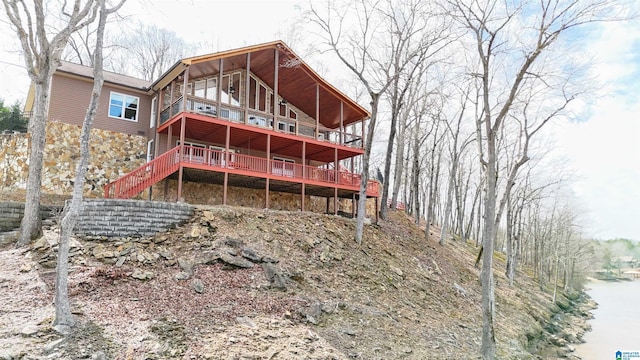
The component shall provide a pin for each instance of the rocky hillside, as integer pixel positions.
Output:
(238, 283)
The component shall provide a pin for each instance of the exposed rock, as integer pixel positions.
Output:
(197, 286)
(26, 267)
(397, 271)
(235, 243)
(29, 330)
(251, 254)
(276, 279)
(142, 275)
(208, 257)
(235, 261)
(245, 321)
(185, 264)
(183, 276)
(100, 252)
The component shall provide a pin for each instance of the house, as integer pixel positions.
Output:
(251, 123)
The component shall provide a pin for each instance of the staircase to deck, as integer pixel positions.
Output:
(144, 177)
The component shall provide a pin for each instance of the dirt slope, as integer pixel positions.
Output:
(237, 283)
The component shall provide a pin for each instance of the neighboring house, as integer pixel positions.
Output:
(254, 118)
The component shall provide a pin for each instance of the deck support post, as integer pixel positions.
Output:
(224, 188)
(377, 212)
(183, 123)
(227, 160)
(304, 163)
(327, 206)
(266, 194)
(266, 188)
(335, 201)
(219, 88)
(353, 205)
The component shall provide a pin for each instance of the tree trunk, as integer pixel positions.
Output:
(364, 179)
(64, 319)
(31, 225)
(488, 349)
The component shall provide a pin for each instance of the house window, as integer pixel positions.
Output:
(212, 93)
(286, 127)
(154, 105)
(200, 88)
(123, 106)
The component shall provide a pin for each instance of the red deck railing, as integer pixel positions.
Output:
(216, 160)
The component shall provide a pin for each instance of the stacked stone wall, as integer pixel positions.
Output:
(211, 194)
(112, 155)
(119, 218)
(11, 214)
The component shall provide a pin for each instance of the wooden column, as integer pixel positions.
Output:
(184, 89)
(304, 156)
(219, 88)
(327, 211)
(246, 89)
(155, 128)
(266, 195)
(341, 133)
(172, 98)
(227, 159)
(337, 174)
(276, 96)
(183, 122)
(317, 111)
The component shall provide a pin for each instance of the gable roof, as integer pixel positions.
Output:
(298, 83)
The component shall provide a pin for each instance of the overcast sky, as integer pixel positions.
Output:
(602, 148)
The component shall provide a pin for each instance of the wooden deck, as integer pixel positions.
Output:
(245, 171)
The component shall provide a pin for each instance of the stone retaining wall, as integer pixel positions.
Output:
(11, 214)
(117, 218)
(211, 194)
(112, 155)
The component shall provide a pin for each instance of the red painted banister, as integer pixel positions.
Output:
(143, 177)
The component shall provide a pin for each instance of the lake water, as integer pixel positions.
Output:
(616, 325)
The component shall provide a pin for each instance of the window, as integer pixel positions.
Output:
(200, 88)
(149, 150)
(154, 105)
(123, 106)
(212, 93)
(287, 127)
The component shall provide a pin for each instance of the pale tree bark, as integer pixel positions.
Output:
(456, 148)
(415, 45)
(357, 48)
(63, 319)
(42, 57)
(491, 25)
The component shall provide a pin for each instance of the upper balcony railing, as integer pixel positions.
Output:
(260, 119)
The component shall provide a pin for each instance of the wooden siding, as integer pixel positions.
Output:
(70, 98)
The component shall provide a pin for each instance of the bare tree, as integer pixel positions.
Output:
(491, 25)
(419, 37)
(43, 39)
(362, 49)
(151, 50)
(64, 320)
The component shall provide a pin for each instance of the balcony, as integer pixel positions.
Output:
(259, 119)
